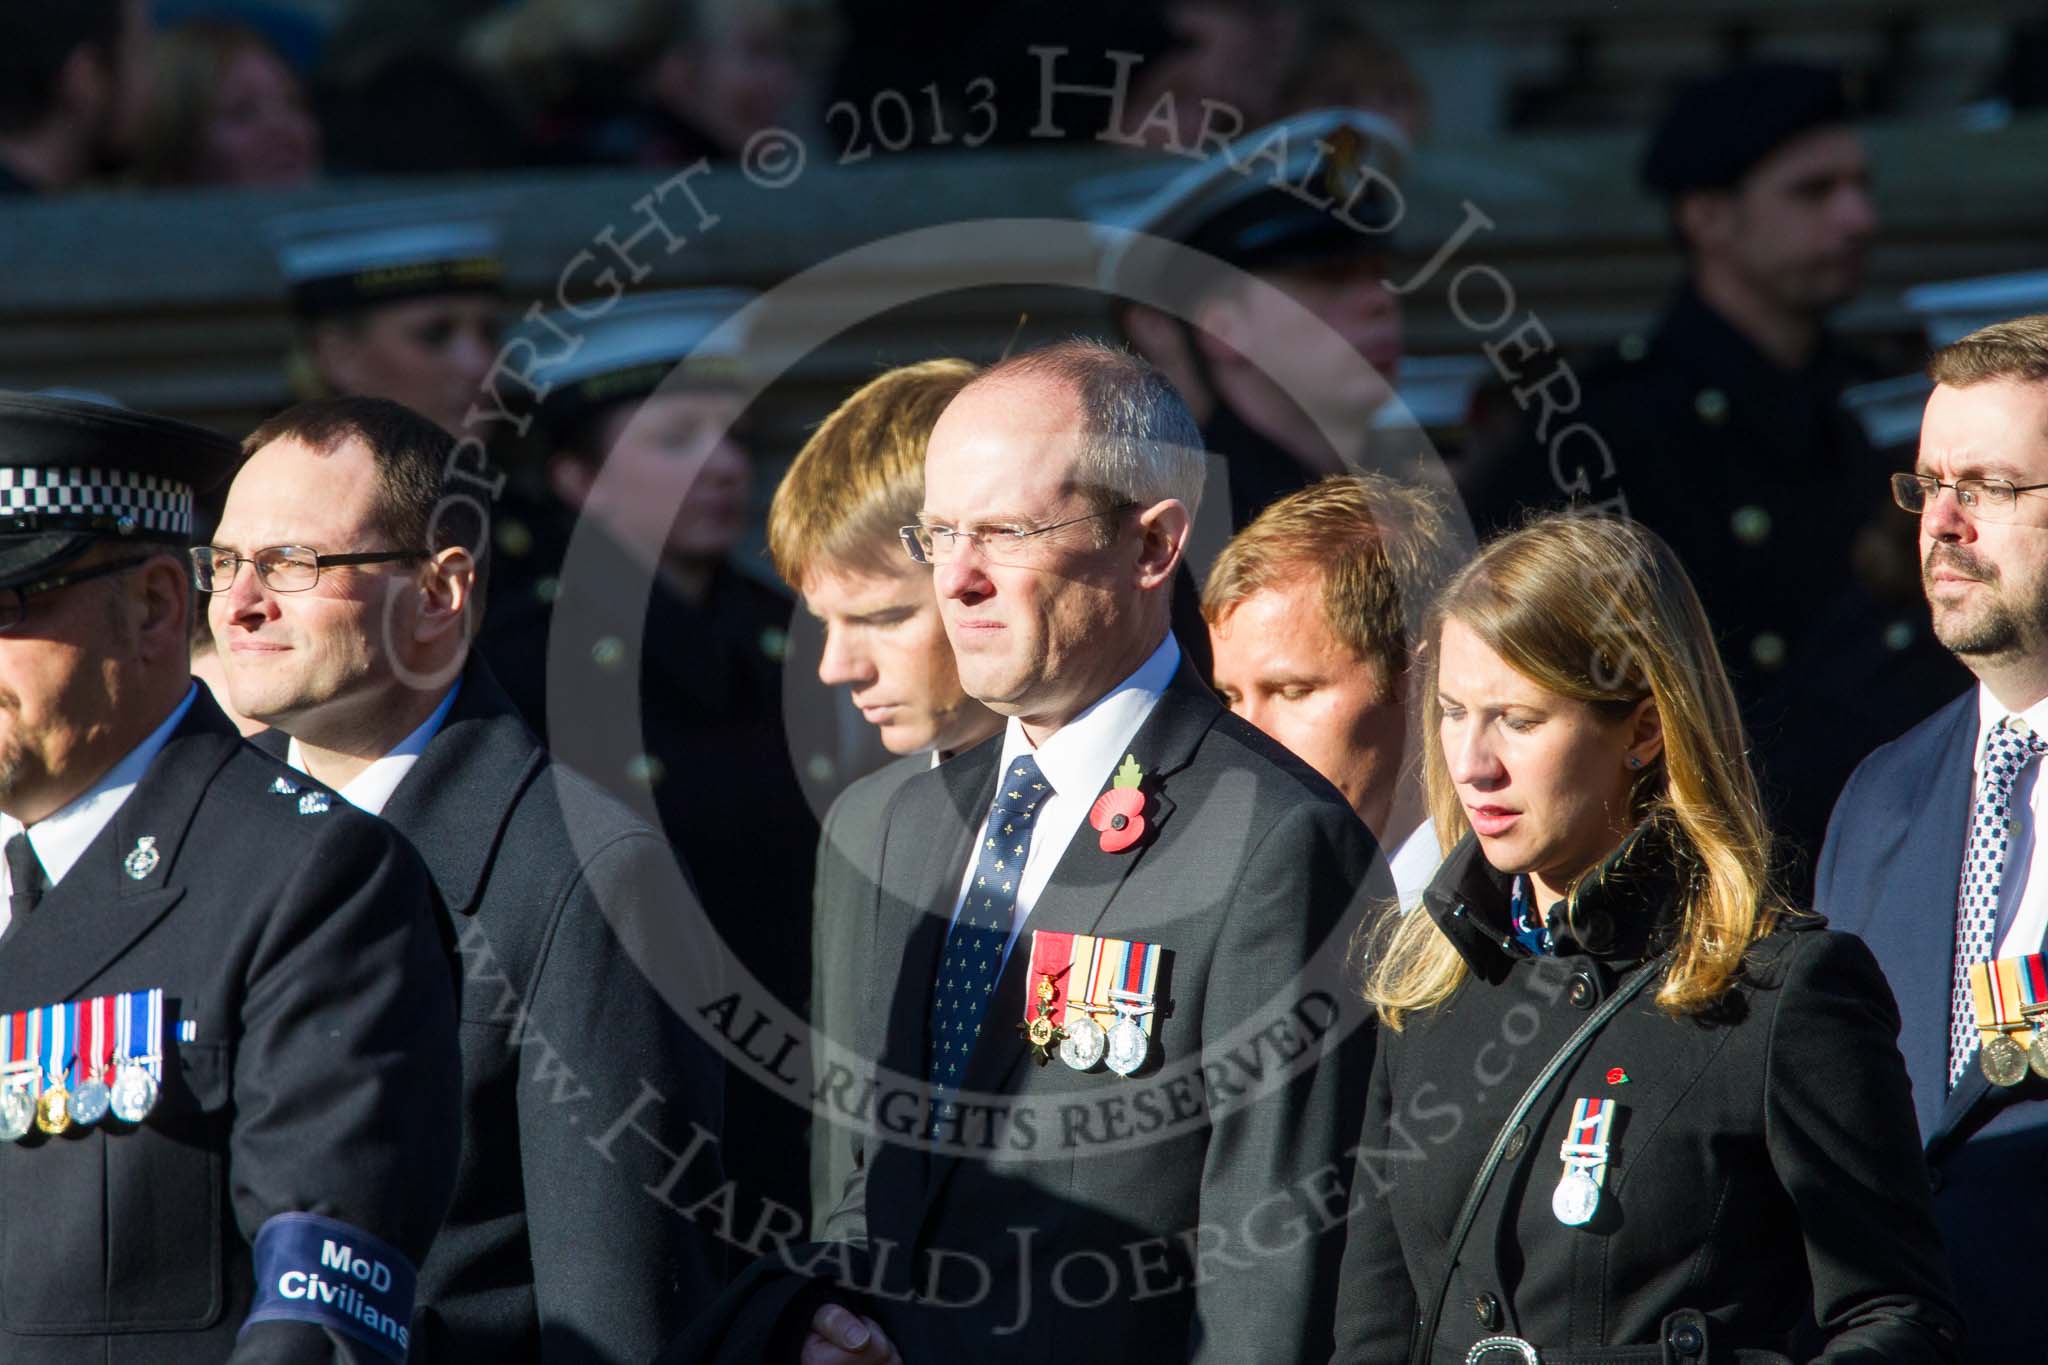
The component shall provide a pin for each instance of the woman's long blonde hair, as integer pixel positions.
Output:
(1599, 610)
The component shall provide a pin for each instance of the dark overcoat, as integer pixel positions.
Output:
(1763, 1163)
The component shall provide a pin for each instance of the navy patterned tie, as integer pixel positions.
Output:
(973, 956)
(2008, 749)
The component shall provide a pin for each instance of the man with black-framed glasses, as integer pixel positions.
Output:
(343, 586)
(1936, 854)
(227, 1032)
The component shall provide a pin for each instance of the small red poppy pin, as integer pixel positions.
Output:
(1616, 1076)
(1119, 813)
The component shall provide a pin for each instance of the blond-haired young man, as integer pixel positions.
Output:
(832, 532)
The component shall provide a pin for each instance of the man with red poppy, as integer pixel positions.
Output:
(1187, 1166)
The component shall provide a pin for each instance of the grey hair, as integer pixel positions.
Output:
(1142, 442)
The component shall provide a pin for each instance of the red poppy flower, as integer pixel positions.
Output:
(1616, 1076)
(1119, 814)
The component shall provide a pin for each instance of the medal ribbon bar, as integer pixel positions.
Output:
(1052, 958)
(1997, 995)
(18, 1064)
(1585, 1144)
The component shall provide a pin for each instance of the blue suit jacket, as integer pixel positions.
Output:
(1889, 872)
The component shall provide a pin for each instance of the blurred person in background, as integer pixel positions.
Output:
(1341, 62)
(1224, 52)
(226, 109)
(1312, 609)
(1293, 310)
(396, 300)
(1725, 432)
(74, 82)
(730, 72)
(642, 82)
(639, 446)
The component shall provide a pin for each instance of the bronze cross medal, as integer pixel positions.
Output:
(1044, 1034)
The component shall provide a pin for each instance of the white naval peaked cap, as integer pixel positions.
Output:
(355, 255)
(634, 345)
(1278, 195)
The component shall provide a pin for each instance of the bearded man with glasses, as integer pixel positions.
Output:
(1935, 854)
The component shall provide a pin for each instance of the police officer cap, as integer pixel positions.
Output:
(76, 473)
(347, 257)
(1277, 197)
(1720, 128)
(634, 347)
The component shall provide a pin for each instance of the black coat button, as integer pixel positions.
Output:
(1934, 1179)
(1687, 1339)
(1487, 1309)
(1517, 1140)
(1582, 992)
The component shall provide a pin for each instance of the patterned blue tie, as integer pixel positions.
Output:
(973, 957)
(2008, 749)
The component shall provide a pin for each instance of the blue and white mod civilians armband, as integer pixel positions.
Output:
(324, 1272)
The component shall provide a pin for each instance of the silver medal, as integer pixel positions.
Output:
(1576, 1198)
(143, 858)
(1128, 1046)
(1085, 1041)
(134, 1093)
(89, 1103)
(17, 1112)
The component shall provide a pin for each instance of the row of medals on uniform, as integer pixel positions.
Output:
(2002, 989)
(124, 1087)
(1081, 1041)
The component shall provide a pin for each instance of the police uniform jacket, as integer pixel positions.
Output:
(294, 938)
(553, 1249)
(1763, 1164)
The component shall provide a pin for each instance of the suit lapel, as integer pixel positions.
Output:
(935, 829)
(1085, 882)
(1930, 828)
(454, 803)
(91, 918)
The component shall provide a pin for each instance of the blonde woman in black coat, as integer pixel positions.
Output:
(1628, 1104)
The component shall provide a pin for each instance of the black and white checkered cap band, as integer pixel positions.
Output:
(114, 500)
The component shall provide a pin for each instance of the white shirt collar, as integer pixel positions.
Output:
(1990, 711)
(61, 837)
(1079, 757)
(373, 786)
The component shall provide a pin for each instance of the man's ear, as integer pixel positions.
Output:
(447, 589)
(162, 602)
(1162, 540)
(570, 477)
